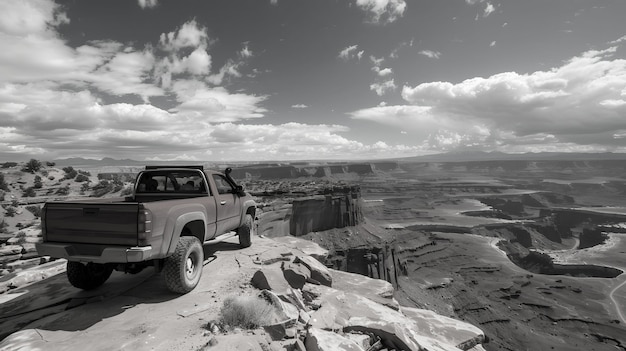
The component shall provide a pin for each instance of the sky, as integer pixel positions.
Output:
(259, 80)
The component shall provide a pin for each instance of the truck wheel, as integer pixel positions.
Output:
(245, 231)
(182, 270)
(88, 276)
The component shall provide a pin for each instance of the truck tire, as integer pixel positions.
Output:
(183, 269)
(246, 231)
(88, 276)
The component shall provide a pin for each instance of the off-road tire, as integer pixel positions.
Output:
(246, 231)
(183, 269)
(88, 276)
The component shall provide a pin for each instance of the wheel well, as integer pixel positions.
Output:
(194, 228)
(251, 211)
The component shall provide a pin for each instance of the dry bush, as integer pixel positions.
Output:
(248, 312)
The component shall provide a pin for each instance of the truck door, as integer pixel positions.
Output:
(228, 205)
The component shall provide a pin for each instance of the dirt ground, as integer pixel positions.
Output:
(130, 312)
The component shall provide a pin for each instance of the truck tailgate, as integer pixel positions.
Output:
(100, 223)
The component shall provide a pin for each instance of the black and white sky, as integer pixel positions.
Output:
(247, 80)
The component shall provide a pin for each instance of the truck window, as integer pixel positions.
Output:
(172, 182)
(223, 186)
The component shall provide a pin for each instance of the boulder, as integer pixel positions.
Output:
(8, 250)
(462, 334)
(9, 258)
(307, 247)
(286, 312)
(322, 340)
(353, 312)
(296, 274)
(270, 278)
(377, 290)
(274, 255)
(363, 340)
(319, 272)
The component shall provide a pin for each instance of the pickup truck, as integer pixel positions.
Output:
(173, 211)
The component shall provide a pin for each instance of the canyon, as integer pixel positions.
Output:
(530, 252)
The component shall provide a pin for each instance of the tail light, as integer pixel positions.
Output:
(144, 226)
(43, 223)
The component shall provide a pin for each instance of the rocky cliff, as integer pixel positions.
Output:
(340, 207)
(313, 308)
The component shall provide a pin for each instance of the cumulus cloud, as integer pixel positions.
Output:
(350, 52)
(488, 9)
(430, 53)
(299, 106)
(577, 106)
(384, 87)
(617, 41)
(383, 11)
(148, 3)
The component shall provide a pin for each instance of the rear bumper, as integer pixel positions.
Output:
(73, 252)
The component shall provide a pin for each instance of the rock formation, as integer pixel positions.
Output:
(339, 208)
(349, 311)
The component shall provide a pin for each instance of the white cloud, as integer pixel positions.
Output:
(245, 51)
(53, 97)
(489, 9)
(299, 106)
(620, 40)
(493, 43)
(430, 53)
(148, 3)
(384, 87)
(377, 61)
(348, 52)
(189, 35)
(198, 101)
(579, 105)
(383, 11)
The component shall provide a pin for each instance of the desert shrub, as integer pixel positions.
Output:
(10, 211)
(127, 191)
(70, 172)
(38, 184)
(63, 191)
(51, 177)
(102, 188)
(21, 238)
(44, 172)
(84, 187)
(3, 226)
(3, 184)
(15, 203)
(81, 178)
(29, 192)
(50, 164)
(32, 166)
(87, 173)
(35, 210)
(9, 164)
(248, 312)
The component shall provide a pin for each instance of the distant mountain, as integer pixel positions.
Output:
(107, 161)
(465, 156)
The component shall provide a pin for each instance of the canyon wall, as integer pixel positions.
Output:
(297, 170)
(340, 207)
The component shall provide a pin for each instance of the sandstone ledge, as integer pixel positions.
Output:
(355, 311)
